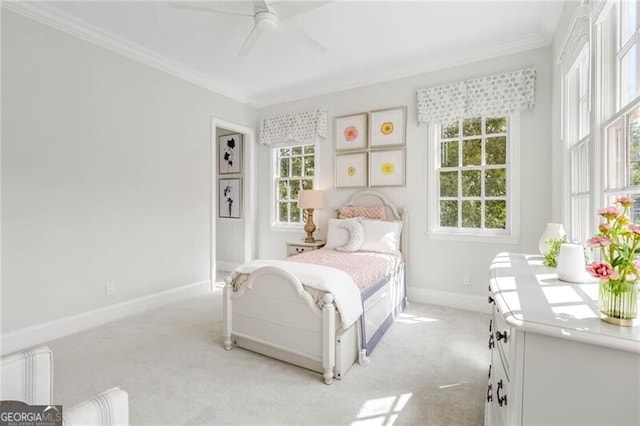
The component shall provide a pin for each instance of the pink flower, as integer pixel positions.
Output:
(350, 133)
(602, 270)
(597, 241)
(604, 227)
(634, 228)
(625, 201)
(610, 212)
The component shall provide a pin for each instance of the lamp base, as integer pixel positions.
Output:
(309, 227)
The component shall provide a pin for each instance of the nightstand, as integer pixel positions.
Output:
(298, 247)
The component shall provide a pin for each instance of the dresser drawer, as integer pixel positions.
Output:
(292, 250)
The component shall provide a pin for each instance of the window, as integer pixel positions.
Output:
(627, 51)
(294, 170)
(576, 101)
(473, 169)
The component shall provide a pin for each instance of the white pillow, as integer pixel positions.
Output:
(381, 236)
(356, 235)
(336, 236)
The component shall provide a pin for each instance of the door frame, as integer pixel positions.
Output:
(249, 195)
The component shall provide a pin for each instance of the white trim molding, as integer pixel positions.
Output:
(41, 333)
(451, 300)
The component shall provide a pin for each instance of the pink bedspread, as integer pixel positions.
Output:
(365, 268)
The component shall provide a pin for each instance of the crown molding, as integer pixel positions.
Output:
(52, 17)
(342, 83)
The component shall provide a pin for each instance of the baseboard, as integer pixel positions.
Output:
(452, 300)
(38, 334)
(223, 265)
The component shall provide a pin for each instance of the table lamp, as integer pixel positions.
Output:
(308, 200)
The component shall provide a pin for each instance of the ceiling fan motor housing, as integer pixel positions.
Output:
(266, 21)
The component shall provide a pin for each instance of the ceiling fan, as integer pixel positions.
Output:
(268, 17)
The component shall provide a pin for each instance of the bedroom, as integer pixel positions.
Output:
(97, 150)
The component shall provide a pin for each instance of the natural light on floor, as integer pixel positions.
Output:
(381, 411)
(413, 319)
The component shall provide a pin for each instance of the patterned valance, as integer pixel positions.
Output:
(493, 95)
(299, 127)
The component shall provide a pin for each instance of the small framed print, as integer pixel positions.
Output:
(230, 198)
(387, 167)
(230, 154)
(387, 127)
(351, 170)
(351, 132)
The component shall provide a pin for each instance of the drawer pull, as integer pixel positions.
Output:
(501, 336)
(490, 370)
(491, 300)
(502, 400)
(492, 343)
(299, 250)
(490, 325)
(489, 394)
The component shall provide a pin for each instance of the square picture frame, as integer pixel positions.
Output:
(351, 170)
(387, 167)
(230, 198)
(351, 132)
(230, 154)
(388, 127)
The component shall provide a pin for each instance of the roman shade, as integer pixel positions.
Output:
(492, 95)
(299, 127)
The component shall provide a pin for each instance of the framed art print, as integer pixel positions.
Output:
(387, 167)
(387, 127)
(351, 132)
(351, 170)
(230, 198)
(230, 154)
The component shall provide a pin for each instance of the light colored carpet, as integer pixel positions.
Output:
(430, 369)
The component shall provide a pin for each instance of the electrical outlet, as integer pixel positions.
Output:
(109, 289)
(466, 279)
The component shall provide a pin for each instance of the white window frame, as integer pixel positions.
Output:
(509, 235)
(275, 224)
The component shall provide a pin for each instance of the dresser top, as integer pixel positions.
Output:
(531, 297)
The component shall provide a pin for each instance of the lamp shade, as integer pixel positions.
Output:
(311, 199)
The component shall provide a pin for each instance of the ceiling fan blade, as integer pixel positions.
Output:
(254, 35)
(289, 9)
(234, 8)
(305, 38)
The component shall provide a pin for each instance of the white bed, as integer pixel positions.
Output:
(272, 313)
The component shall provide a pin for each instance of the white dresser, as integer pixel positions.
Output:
(553, 361)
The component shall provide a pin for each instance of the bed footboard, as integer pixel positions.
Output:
(272, 314)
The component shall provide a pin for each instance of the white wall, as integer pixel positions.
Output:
(106, 176)
(434, 266)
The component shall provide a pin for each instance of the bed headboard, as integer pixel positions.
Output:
(371, 198)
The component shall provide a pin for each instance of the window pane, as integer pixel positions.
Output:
(309, 166)
(294, 188)
(471, 126)
(296, 166)
(472, 152)
(496, 125)
(448, 184)
(283, 212)
(307, 184)
(450, 130)
(284, 167)
(449, 213)
(284, 152)
(496, 214)
(628, 77)
(449, 154)
(615, 156)
(471, 213)
(471, 183)
(296, 150)
(283, 190)
(496, 150)
(634, 148)
(295, 211)
(628, 14)
(309, 149)
(495, 184)
(635, 209)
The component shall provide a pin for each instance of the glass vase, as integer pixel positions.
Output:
(618, 301)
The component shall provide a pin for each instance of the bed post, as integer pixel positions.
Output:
(226, 314)
(328, 338)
